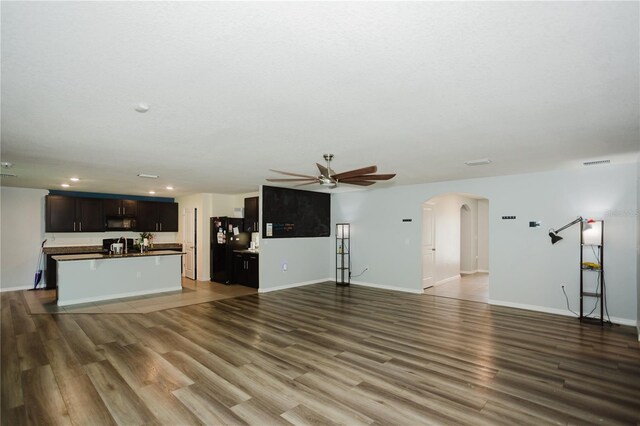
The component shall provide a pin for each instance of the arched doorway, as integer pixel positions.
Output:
(456, 263)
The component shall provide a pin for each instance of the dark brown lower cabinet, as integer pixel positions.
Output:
(51, 273)
(245, 269)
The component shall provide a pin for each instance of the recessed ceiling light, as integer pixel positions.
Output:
(142, 107)
(170, 188)
(6, 164)
(479, 162)
(152, 192)
(65, 185)
(148, 176)
(74, 179)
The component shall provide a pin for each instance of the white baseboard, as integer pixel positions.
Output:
(468, 272)
(446, 280)
(564, 312)
(27, 287)
(118, 296)
(484, 271)
(388, 287)
(292, 285)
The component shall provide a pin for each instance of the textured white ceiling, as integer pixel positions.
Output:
(237, 88)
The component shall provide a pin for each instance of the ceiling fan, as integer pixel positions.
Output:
(361, 177)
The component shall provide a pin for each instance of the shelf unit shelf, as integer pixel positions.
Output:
(593, 252)
(343, 254)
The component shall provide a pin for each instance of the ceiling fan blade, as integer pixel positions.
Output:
(323, 170)
(293, 174)
(358, 182)
(356, 172)
(371, 177)
(313, 180)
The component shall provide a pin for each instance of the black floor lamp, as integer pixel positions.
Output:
(553, 233)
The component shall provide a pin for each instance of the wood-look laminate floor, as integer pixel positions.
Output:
(193, 292)
(318, 354)
(472, 287)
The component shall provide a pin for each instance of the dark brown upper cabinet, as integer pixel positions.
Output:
(157, 217)
(114, 207)
(251, 214)
(71, 214)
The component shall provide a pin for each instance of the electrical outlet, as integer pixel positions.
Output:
(284, 266)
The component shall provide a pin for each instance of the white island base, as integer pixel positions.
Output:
(92, 278)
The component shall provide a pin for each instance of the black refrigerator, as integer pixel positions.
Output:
(226, 236)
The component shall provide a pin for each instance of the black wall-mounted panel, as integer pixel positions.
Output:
(292, 213)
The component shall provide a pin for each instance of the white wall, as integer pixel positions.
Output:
(468, 238)
(638, 246)
(483, 235)
(21, 233)
(526, 270)
(306, 260)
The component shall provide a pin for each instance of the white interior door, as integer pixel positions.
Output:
(189, 243)
(428, 246)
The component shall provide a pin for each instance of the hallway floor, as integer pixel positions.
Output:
(472, 287)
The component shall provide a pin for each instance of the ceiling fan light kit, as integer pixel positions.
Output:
(364, 176)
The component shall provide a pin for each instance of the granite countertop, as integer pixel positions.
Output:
(255, 251)
(101, 256)
(98, 249)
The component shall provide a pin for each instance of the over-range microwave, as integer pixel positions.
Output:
(119, 223)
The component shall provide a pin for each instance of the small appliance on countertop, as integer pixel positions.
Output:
(108, 243)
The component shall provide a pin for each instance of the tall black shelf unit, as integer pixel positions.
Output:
(343, 253)
(592, 271)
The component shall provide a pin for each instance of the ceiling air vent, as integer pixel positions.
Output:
(8, 175)
(595, 163)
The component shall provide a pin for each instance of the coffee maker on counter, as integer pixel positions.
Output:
(117, 246)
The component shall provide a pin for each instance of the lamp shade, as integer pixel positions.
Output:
(554, 237)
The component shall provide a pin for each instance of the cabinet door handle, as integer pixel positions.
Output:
(124, 210)
(161, 226)
(74, 226)
(118, 210)
(80, 226)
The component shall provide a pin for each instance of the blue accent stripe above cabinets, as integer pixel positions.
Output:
(110, 196)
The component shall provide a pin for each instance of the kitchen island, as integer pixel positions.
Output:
(84, 278)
